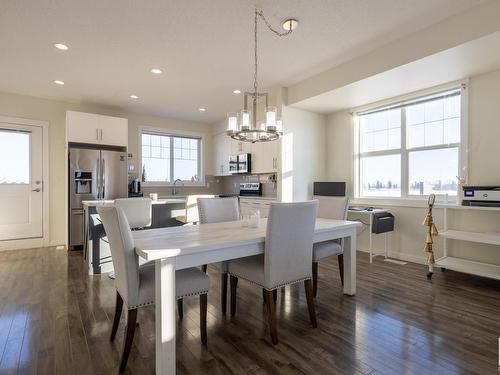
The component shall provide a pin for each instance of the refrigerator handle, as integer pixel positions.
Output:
(103, 179)
(98, 187)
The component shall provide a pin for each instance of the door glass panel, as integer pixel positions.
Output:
(14, 157)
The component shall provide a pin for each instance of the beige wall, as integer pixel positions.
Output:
(461, 28)
(55, 113)
(303, 153)
(484, 152)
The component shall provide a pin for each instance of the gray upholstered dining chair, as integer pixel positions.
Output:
(330, 208)
(137, 211)
(286, 259)
(135, 284)
(216, 210)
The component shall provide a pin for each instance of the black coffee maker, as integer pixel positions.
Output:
(134, 188)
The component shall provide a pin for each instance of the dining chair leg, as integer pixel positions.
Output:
(271, 316)
(223, 292)
(203, 318)
(340, 259)
(118, 314)
(233, 281)
(129, 337)
(275, 295)
(204, 268)
(310, 303)
(315, 278)
(180, 308)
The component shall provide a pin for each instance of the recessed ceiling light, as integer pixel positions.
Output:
(134, 97)
(62, 47)
(236, 92)
(202, 109)
(156, 71)
(290, 24)
(57, 82)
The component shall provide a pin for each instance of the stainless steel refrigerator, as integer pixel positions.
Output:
(95, 173)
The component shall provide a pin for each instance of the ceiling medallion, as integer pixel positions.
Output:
(243, 126)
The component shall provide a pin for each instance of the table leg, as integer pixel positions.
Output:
(165, 316)
(350, 265)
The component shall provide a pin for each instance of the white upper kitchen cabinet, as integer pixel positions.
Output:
(265, 156)
(222, 151)
(96, 129)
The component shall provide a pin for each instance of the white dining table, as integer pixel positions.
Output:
(187, 246)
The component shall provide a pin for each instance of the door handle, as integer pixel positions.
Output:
(103, 179)
(98, 178)
(37, 190)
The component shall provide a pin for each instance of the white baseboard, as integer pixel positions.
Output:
(28, 243)
(404, 256)
(54, 243)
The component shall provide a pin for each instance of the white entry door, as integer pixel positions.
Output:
(21, 186)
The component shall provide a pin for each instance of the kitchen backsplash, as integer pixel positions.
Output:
(216, 185)
(231, 184)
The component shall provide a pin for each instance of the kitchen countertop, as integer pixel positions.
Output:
(274, 199)
(105, 203)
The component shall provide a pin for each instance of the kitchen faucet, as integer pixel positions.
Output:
(174, 186)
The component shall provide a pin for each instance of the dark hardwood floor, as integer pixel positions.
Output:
(55, 319)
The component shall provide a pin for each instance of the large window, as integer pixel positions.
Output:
(166, 158)
(410, 148)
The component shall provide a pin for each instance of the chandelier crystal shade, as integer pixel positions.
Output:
(244, 126)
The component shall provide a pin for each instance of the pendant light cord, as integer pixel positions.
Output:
(260, 13)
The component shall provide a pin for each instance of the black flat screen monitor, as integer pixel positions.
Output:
(329, 189)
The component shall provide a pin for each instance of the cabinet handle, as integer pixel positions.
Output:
(97, 134)
(101, 134)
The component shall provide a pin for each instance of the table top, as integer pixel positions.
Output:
(170, 242)
(108, 203)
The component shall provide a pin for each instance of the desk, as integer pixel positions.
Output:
(369, 215)
(194, 245)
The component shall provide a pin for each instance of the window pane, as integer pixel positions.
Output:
(156, 140)
(433, 171)
(157, 170)
(452, 130)
(416, 136)
(434, 133)
(186, 170)
(155, 152)
(380, 131)
(433, 123)
(381, 176)
(14, 157)
(155, 158)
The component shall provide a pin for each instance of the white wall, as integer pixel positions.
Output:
(303, 153)
(55, 113)
(484, 152)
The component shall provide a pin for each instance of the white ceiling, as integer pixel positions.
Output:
(204, 47)
(466, 60)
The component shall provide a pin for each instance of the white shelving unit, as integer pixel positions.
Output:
(466, 265)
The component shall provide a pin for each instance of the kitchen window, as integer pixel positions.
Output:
(168, 157)
(411, 148)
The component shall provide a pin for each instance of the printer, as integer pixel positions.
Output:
(485, 196)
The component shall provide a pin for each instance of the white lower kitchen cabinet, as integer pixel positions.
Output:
(249, 205)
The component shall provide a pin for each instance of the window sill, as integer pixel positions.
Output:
(170, 185)
(399, 202)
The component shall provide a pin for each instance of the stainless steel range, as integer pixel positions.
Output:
(95, 173)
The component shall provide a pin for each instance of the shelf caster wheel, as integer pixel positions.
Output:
(443, 269)
(429, 275)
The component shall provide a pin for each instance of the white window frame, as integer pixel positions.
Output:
(405, 196)
(173, 133)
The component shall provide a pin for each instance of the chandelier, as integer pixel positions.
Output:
(243, 126)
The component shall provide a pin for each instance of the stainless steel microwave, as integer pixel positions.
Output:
(240, 163)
